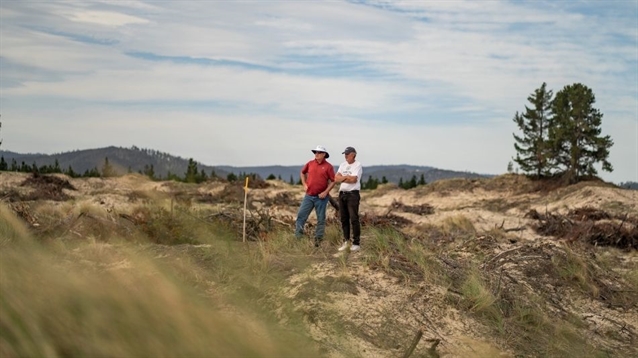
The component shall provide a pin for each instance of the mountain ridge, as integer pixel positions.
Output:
(392, 172)
(122, 160)
(135, 159)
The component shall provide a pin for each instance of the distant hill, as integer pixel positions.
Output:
(629, 185)
(136, 159)
(122, 159)
(393, 173)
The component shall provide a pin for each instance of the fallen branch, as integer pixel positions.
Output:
(415, 341)
(501, 255)
(448, 262)
(520, 228)
(432, 349)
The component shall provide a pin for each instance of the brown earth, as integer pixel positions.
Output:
(519, 230)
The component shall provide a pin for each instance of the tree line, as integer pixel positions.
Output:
(370, 184)
(192, 174)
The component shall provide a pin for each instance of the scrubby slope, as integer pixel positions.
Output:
(463, 265)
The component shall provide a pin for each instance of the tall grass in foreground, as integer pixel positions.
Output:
(115, 301)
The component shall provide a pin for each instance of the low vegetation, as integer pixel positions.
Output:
(167, 277)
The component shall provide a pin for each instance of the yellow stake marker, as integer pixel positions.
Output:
(245, 198)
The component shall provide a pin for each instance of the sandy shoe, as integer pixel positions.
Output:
(355, 248)
(344, 246)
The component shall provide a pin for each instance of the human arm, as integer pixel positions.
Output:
(355, 172)
(350, 179)
(302, 177)
(325, 193)
(331, 183)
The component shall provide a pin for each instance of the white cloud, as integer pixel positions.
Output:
(420, 82)
(104, 18)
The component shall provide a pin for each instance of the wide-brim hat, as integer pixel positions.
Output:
(321, 148)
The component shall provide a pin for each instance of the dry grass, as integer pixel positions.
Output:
(171, 279)
(480, 300)
(104, 300)
(458, 226)
(573, 268)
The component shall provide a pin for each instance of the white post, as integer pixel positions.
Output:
(245, 199)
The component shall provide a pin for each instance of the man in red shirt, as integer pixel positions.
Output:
(318, 178)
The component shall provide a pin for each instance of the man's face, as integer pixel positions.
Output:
(350, 157)
(319, 156)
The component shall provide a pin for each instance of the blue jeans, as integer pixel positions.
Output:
(307, 204)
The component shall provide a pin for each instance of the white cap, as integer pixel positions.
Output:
(321, 148)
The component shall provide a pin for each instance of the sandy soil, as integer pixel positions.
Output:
(366, 302)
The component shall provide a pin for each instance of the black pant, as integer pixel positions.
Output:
(349, 211)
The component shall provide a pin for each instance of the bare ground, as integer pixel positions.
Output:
(354, 306)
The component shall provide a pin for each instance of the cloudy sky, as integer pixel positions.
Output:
(263, 82)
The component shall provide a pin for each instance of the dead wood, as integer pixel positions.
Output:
(47, 187)
(423, 209)
(258, 222)
(24, 212)
(449, 262)
(415, 341)
(432, 350)
(388, 220)
(587, 225)
(501, 256)
(520, 228)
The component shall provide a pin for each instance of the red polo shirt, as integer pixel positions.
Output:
(318, 176)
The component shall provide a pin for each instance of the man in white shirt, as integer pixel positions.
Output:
(349, 175)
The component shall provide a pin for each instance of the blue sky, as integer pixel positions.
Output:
(262, 82)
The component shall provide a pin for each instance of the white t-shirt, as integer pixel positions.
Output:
(351, 169)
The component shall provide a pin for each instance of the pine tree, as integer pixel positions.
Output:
(384, 180)
(44, 169)
(149, 171)
(56, 167)
(401, 185)
(371, 184)
(412, 183)
(532, 148)
(93, 173)
(422, 180)
(271, 177)
(3, 164)
(191, 172)
(291, 182)
(202, 176)
(71, 173)
(575, 134)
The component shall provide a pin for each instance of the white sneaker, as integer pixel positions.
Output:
(344, 246)
(355, 248)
